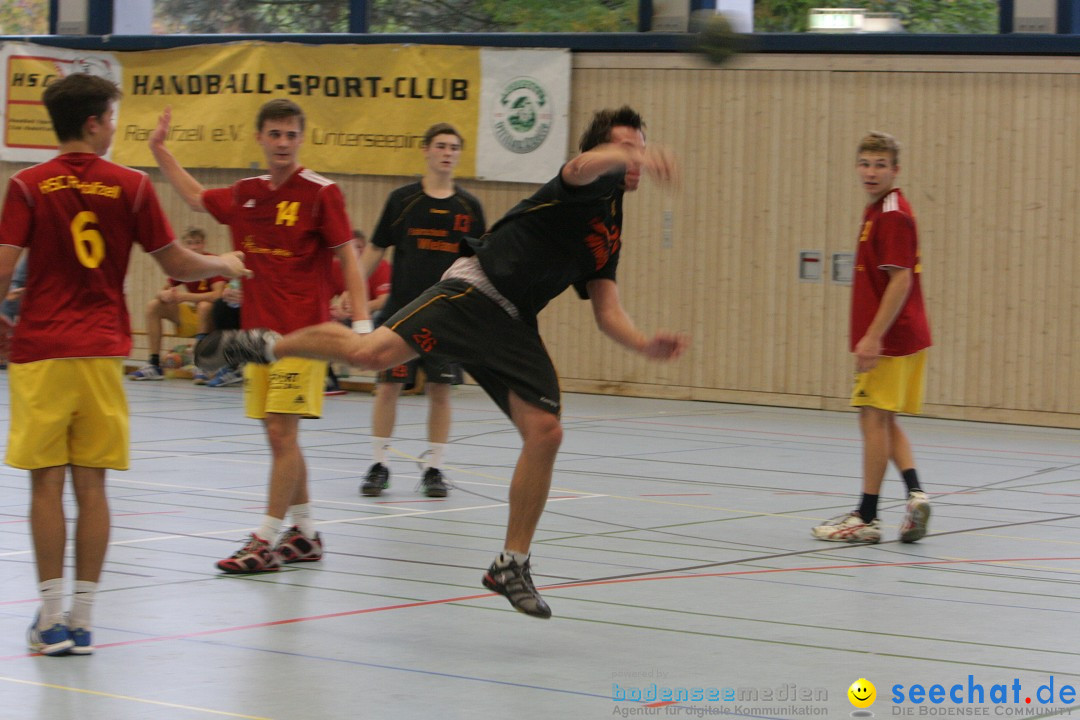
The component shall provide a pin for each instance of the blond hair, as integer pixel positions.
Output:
(879, 142)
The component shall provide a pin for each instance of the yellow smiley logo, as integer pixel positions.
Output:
(862, 693)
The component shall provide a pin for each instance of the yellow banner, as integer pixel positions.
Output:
(366, 106)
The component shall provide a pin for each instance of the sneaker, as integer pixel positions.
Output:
(256, 556)
(148, 372)
(434, 483)
(53, 641)
(916, 518)
(376, 480)
(198, 377)
(84, 643)
(225, 377)
(515, 583)
(849, 528)
(230, 348)
(293, 546)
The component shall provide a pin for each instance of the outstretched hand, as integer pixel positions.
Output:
(157, 137)
(666, 346)
(660, 164)
(234, 264)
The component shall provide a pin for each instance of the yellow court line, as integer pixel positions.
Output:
(113, 696)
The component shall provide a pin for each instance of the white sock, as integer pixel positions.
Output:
(435, 454)
(379, 447)
(52, 603)
(82, 603)
(301, 517)
(507, 555)
(269, 529)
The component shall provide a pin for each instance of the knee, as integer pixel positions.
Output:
(282, 437)
(374, 352)
(544, 433)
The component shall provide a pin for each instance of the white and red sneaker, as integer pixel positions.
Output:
(256, 556)
(916, 518)
(849, 528)
(293, 546)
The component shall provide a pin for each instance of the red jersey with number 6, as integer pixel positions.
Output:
(79, 214)
(287, 234)
(889, 240)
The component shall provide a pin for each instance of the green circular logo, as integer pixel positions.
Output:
(523, 116)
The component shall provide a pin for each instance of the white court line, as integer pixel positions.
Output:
(389, 516)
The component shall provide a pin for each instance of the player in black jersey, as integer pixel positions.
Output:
(483, 314)
(426, 222)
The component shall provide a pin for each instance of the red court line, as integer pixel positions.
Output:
(588, 583)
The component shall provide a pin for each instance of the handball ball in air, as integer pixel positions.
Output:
(717, 40)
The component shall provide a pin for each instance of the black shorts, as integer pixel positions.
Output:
(452, 321)
(436, 371)
(224, 316)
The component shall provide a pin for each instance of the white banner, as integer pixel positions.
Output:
(522, 128)
(28, 133)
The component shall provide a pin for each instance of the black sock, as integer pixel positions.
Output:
(911, 479)
(868, 508)
(155, 360)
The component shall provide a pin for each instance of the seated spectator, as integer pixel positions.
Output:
(341, 306)
(185, 304)
(226, 316)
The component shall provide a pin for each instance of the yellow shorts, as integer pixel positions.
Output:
(69, 411)
(290, 386)
(897, 384)
(188, 320)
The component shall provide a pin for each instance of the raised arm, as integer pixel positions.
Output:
(188, 187)
(589, 166)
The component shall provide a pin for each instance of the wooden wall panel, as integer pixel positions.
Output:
(767, 148)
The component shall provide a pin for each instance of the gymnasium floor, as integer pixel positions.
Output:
(675, 550)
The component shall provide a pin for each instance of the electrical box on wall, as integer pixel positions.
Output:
(810, 265)
(843, 268)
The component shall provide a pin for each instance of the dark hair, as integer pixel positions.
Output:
(74, 99)
(599, 130)
(440, 129)
(195, 232)
(358, 234)
(280, 109)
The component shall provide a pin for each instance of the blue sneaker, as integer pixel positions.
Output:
(225, 377)
(148, 372)
(84, 642)
(53, 641)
